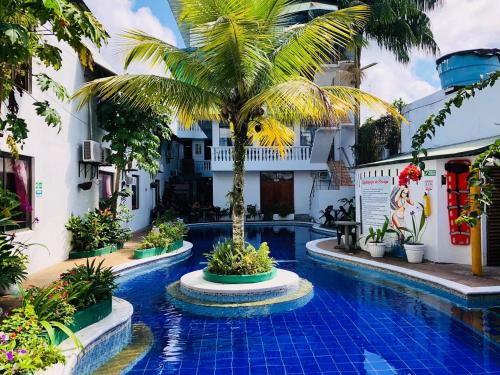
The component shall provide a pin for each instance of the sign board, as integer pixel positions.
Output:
(375, 201)
(429, 172)
(38, 189)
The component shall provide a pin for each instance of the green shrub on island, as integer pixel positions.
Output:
(164, 234)
(155, 238)
(223, 260)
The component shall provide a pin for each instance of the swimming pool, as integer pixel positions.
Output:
(351, 325)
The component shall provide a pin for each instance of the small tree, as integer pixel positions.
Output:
(134, 135)
(26, 28)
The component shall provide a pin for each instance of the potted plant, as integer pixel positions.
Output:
(252, 211)
(375, 239)
(227, 266)
(413, 245)
(283, 211)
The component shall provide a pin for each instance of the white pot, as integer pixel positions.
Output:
(414, 252)
(278, 217)
(376, 249)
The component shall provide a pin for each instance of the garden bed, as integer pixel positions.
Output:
(238, 279)
(86, 317)
(93, 253)
(155, 251)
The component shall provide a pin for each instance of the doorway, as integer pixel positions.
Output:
(276, 188)
(493, 226)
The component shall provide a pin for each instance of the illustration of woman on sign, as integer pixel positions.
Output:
(400, 200)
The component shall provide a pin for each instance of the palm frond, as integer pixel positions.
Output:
(188, 102)
(181, 64)
(303, 49)
(269, 132)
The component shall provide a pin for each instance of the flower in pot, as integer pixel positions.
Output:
(413, 245)
(375, 239)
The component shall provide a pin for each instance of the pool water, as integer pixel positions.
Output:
(351, 325)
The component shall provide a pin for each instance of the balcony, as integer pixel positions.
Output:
(203, 168)
(266, 159)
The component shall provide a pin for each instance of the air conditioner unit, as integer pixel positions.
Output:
(91, 152)
(105, 155)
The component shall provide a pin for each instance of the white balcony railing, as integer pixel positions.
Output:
(265, 159)
(202, 166)
(262, 154)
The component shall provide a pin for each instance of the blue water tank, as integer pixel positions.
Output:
(464, 68)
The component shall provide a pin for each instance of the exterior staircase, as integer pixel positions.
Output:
(341, 175)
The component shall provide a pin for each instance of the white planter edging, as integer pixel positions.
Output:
(121, 313)
(312, 247)
(414, 253)
(186, 247)
(277, 217)
(376, 249)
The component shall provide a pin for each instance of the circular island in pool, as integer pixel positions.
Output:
(199, 294)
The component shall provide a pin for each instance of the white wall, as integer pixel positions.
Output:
(223, 183)
(324, 198)
(55, 158)
(436, 236)
(479, 117)
(302, 184)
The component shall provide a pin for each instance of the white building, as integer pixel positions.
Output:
(468, 131)
(54, 169)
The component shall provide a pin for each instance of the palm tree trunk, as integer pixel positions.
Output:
(237, 198)
(117, 188)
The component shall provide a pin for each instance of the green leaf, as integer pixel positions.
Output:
(46, 83)
(51, 117)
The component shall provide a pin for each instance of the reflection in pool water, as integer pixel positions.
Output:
(352, 325)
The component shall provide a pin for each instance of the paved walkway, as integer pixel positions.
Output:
(453, 272)
(49, 274)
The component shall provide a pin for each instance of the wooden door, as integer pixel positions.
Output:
(276, 188)
(493, 229)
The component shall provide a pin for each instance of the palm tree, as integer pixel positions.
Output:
(249, 67)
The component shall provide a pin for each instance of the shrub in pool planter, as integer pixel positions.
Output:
(164, 238)
(93, 253)
(224, 261)
(85, 318)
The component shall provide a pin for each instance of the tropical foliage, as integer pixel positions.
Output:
(377, 235)
(13, 261)
(479, 175)
(225, 260)
(130, 142)
(27, 32)
(164, 234)
(251, 67)
(23, 348)
(89, 283)
(96, 229)
(378, 135)
(417, 229)
(399, 25)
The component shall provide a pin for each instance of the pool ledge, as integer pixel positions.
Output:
(91, 337)
(173, 255)
(464, 290)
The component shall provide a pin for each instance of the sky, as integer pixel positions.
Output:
(457, 25)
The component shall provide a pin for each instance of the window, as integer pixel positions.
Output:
(306, 135)
(106, 185)
(15, 177)
(197, 148)
(225, 134)
(135, 192)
